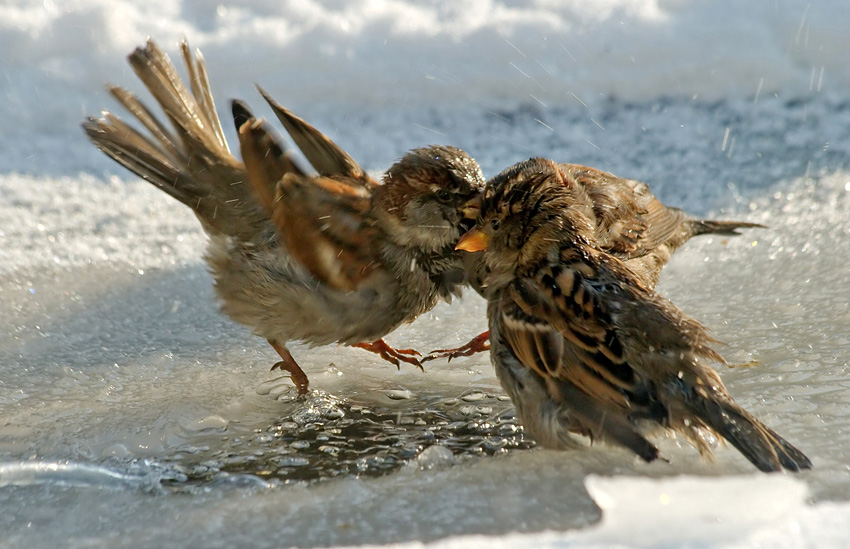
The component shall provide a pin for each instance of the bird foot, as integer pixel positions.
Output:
(288, 364)
(477, 344)
(299, 378)
(390, 354)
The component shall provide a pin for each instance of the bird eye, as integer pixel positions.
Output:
(443, 196)
(494, 225)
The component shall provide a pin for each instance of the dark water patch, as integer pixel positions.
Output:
(326, 437)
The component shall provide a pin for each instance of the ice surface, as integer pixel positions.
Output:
(766, 512)
(135, 415)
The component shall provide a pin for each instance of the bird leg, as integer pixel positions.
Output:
(392, 355)
(288, 364)
(477, 344)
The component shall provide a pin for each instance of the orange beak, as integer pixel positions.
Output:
(473, 241)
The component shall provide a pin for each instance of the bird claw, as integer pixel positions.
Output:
(288, 364)
(299, 378)
(392, 355)
(477, 344)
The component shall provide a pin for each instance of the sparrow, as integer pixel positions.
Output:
(582, 343)
(332, 257)
(627, 221)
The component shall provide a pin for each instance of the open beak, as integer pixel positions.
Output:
(473, 241)
(472, 207)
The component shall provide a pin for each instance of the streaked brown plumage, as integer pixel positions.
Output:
(330, 258)
(630, 223)
(582, 343)
(627, 221)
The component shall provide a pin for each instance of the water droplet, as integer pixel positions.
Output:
(399, 394)
(208, 423)
(331, 450)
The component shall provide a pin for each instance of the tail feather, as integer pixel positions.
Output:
(163, 135)
(758, 443)
(707, 226)
(138, 154)
(790, 457)
(190, 161)
(200, 82)
(191, 113)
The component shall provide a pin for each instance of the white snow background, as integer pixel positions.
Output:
(133, 414)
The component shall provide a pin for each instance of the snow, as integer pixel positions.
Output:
(136, 415)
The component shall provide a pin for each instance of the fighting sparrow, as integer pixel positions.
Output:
(580, 341)
(330, 258)
(627, 221)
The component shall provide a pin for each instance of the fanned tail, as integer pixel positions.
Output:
(190, 161)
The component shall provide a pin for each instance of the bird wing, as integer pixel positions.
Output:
(630, 221)
(322, 220)
(326, 226)
(325, 156)
(561, 326)
(559, 323)
(610, 372)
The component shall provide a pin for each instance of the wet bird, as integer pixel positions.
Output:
(580, 341)
(627, 221)
(335, 257)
